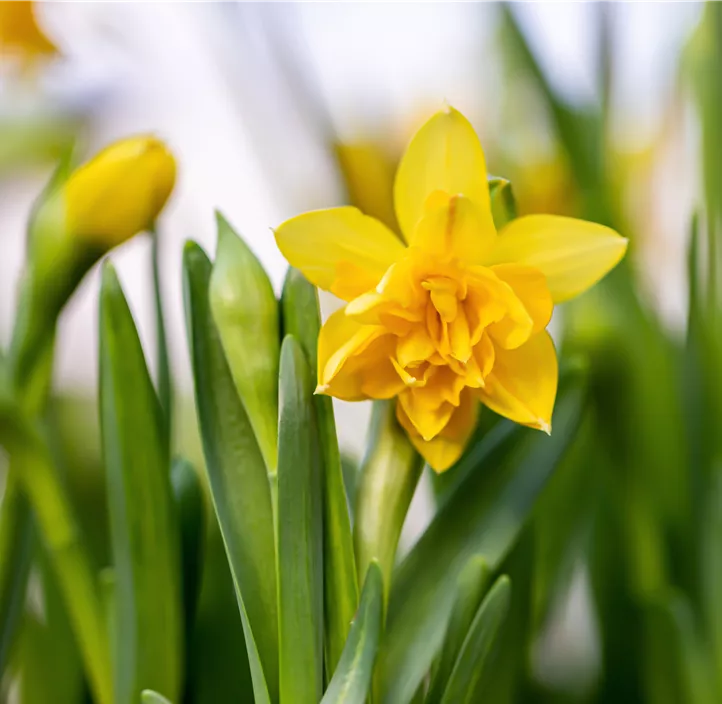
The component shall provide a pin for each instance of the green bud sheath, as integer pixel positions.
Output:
(245, 311)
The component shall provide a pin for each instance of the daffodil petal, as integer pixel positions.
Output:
(340, 250)
(442, 451)
(444, 155)
(530, 286)
(428, 420)
(572, 254)
(457, 228)
(349, 355)
(415, 347)
(522, 385)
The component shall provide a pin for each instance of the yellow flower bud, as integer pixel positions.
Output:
(120, 192)
(20, 35)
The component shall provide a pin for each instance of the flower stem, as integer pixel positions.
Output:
(387, 482)
(40, 480)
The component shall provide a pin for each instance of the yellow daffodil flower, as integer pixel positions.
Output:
(456, 313)
(119, 192)
(20, 34)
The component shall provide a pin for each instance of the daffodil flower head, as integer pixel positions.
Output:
(21, 37)
(454, 314)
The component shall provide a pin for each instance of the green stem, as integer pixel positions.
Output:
(16, 538)
(388, 479)
(164, 380)
(40, 480)
(29, 366)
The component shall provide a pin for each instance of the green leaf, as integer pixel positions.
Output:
(144, 528)
(245, 312)
(191, 511)
(352, 679)
(498, 483)
(300, 538)
(148, 696)
(218, 669)
(711, 568)
(238, 480)
(471, 585)
(302, 319)
(676, 661)
(50, 669)
(467, 679)
(164, 372)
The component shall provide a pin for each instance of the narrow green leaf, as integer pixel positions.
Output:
(245, 312)
(165, 378)
(144, 527)
(218, 668)
(711, 568)
(50, 669)
(499, 481)
(471, 585)
(352, 679)
(191, 511)
(300, 537)
(148, 696)
(466, 682)
(676, 662)
(238, 480)
(302, 319)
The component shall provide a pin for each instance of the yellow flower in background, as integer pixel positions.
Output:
(120, 192)
(456, 313)
(20, 34)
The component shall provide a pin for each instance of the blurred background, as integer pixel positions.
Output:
(607, 111)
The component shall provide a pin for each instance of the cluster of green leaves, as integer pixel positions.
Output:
(322, 612)
(435, 618)
(637, 505)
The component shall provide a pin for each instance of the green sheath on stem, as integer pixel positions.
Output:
(389, 476)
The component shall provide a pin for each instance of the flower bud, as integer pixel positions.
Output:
(79, 216)
(119, 192)
(245, 311)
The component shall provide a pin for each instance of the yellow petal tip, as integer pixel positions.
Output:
(321, 389)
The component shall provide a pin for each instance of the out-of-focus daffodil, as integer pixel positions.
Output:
(458, 312)
(546, 185)
(20, 35)
(119, 192)
(368, 171)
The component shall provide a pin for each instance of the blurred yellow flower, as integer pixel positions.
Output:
(120, 192)
(456, 313)
(20, 35)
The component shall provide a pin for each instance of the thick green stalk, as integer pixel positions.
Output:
(40, 480)
(388, 479)
(16, 538)
(32, 490)
(29, 366)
